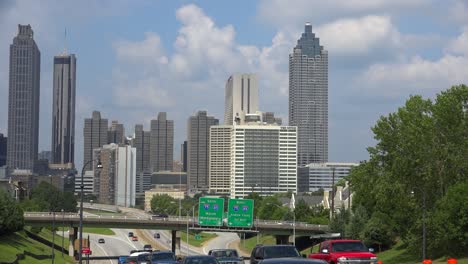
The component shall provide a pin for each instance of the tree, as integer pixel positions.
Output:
(357, 223)
(11, 215)
(46, 197)
(378, 232)
(302, 211)
(164, 204)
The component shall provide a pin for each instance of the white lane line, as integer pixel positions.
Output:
(102, 249)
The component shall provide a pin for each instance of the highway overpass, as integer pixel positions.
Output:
(170, 223)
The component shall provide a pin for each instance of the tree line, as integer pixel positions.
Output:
(417, 173)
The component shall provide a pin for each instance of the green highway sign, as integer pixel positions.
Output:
(197, 237)
(210, 211)
(240, 213)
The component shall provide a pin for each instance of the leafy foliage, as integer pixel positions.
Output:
(421, 153)
(11, 215)
(46, 197)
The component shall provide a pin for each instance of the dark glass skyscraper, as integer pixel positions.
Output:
(63, 109)
(95, 136)
(3, 150)
(198, 141)
(23, 100)
(162, 143)
(308, 97)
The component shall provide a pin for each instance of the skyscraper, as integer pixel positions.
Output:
(3, 150)
(198, 140)
(23, 100)
(143, 171)
(162, 143)
(116, 133)
(183, 155)
(95, 136)
(308, 97)
(63, 109)
(241, 97)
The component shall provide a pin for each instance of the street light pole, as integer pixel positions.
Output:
(80, 242)
(53, 237)
(424, 227)
(63, 228)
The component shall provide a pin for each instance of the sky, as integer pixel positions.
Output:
(138, 58)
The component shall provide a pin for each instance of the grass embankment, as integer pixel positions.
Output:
(248, 244)
(400, 255)
(197, 243)
(18, 242)
(92, 230)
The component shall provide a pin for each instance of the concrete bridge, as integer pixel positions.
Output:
(283, 230)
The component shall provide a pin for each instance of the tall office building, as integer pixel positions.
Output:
(183, 155)
(116, 133)
(220, 159)
(3, 150)
(162, 143)
(241, 97)
(95, 136)
(115, 182)
(141, 142)
(253, 158)
(308, 97)
(63, 109)
(23, 100)
(198, 140)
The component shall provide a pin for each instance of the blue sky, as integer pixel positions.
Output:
(137, 58)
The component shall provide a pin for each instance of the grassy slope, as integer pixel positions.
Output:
(250, 243)
(13, 244)
(399, 255)
(197, 243)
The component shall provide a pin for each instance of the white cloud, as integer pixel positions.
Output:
(458, 11)
(149, 51)
(286, 13)
(416, 76)
(459, 45)
(143, 93)
(358, 36)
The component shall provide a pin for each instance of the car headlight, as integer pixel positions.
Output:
(342, 259)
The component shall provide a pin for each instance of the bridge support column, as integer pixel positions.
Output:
(282, 239)
(72, 233)
(174, 240)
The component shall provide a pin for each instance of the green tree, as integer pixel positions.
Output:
(302, 211)
(46, 197)
(357, 223)
(164, 204)
(11, 215)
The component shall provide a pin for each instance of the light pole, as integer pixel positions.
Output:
(80, 242)
(63, 228)
(53, 237)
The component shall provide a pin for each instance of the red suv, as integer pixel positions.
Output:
(344, 251)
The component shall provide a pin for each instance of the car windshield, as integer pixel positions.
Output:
(201, 260)
(225, 254)
(144, 257)
(348, 246)
(164, 256)
(281, 252)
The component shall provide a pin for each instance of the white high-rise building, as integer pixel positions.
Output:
(253, 158)
(241, 97)
(126, 177)
(219, 167)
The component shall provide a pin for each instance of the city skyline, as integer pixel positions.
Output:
(376, 47)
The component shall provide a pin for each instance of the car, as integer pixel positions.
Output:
(148, 247)
(156, 216)
(226, 256)
(262, 252)
(344, 250)
(157, 235)
(134, 238)
(130, 234)
(292, 261)
(199, 259)
(101, 241)
(163, 257)
(131, 260)
(142, 257)
(122, 259)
